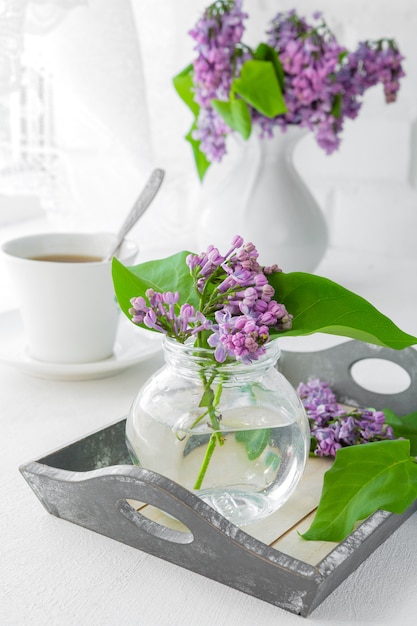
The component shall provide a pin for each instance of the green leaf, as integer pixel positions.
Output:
(273, 460)
(207, 398)
(320, 305)
(337, 106)
(267, 53)
(343, 55)
(183, 83)
(362, 480)
(169, 274)
(404, 427)
(201, 161)
(236, 114)
(255, 441)
(258, 85)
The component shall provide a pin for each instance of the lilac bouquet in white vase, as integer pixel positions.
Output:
(251, 106)
(300, 75)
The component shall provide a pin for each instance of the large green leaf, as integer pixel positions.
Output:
(362, 480)
(405, 427)
(169, 274)
(183, 83)
(320, 305)
(265, 52)
(235, 113)
(259, 86)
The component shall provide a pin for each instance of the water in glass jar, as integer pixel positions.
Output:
(251, 473)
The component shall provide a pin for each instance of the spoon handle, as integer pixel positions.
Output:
(140, 206)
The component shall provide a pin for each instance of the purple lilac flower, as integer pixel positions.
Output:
(316, 392)
(217, 35)
(332, 426)
(237, 304)
(211, 132)
(373, 63)
(310, 56)
(323, 82)
(161, 315)
(241, 337)
(327, 441)
(242, 301)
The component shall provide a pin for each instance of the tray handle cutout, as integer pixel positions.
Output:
(335, 366)
(161, 529)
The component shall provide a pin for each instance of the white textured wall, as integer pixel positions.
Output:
(368, 189)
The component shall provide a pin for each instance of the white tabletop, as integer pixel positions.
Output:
(54, 572)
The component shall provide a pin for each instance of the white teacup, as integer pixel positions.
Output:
(66, 294)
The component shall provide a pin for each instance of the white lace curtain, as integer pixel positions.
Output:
(75, 128)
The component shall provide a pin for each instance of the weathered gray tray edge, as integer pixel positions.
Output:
(97, 499)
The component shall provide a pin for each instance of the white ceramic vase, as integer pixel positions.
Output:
(256, 192)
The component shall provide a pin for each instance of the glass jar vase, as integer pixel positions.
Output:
(235, 434)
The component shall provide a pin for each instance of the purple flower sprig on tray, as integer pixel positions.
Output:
(300, 75)
(333, 426)
(361, 479)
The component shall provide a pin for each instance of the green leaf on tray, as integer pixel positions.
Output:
(362, 480)
(320, 305)
(259, 86)
(169, 274)
(405, 427)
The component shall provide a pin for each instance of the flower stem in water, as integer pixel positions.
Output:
(209, 452)
(210, 401)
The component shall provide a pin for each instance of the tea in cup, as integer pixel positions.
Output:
(66, 295)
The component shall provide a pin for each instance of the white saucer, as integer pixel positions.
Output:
(133, 345)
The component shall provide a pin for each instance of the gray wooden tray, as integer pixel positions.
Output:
(92, 483)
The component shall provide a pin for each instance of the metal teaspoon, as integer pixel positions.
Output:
(138, 209)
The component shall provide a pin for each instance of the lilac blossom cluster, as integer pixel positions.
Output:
(310, 57)
(160, 313)
(323, 82)
(217, 35)
(237, 304)
(332, 426)
(372, 63)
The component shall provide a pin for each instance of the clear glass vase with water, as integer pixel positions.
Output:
(235, 434)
